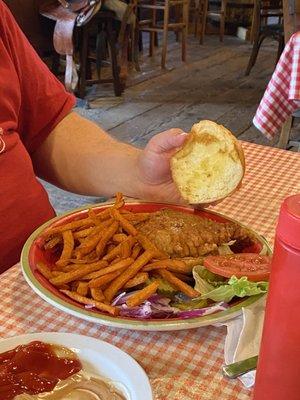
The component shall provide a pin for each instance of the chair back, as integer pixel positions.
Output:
(268, 8)
(265, 9)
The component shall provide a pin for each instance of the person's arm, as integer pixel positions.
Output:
(80, 157)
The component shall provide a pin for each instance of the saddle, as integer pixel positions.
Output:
(68, 14)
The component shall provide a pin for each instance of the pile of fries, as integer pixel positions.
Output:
(104, 253)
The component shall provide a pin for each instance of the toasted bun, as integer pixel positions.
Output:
(210, 165)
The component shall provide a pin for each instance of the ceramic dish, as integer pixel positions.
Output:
(32, 253)
(97, 357)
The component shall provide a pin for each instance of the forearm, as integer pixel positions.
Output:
(80, 157)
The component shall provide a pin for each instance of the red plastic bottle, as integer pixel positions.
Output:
(278, 370)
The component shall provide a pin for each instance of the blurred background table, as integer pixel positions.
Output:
(181, 365)
(291, 17)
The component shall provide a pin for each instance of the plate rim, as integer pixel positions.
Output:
(87, 342)
(111, 321)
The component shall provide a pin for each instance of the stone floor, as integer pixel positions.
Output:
(210, 85)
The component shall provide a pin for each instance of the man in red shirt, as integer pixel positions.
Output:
(40, 135)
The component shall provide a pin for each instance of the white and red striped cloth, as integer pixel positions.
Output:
(282, 96)
(186, 364)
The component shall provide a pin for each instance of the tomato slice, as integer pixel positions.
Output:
(252, 265)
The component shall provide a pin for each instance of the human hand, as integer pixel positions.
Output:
(154, 166)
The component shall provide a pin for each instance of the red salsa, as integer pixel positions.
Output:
(33, 368)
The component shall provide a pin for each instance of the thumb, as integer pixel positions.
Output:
(166, 141)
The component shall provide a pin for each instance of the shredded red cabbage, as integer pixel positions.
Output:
(158, 306)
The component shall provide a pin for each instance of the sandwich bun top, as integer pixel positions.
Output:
(210, 165)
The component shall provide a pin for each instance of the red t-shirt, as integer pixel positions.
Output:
(32, 102)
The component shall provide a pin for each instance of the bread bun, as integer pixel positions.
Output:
(210, 165)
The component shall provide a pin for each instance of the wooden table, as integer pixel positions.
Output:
(181, 365)
(291, 18)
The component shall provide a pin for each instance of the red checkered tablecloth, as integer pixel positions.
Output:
(181, 365)
(282, 95)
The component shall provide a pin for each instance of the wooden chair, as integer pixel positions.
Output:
(76, 44)
(261, 28)
(203, 12)
(105, 40)
(195, 15)
(128, 39)
(153, 26)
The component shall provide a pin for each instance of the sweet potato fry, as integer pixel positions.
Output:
(76, 273)
(102, 280)
(141, 277)
(135, 218)
(90, 243)
(153, 266)
(136, 251)
(191, 261)
(125, 224)
(171, 265)
(139, 297)
(119, 237)
(125, 249)
(70, 267)
(82, 288)
(83, 233)
(68, 240)
(74, 266)
(86, 260)
(107, 235)
(115, 261)
(129, 273)
(80, 223)
(44, 270)
(178, 284)
(97, 304)
(103, 215)
(92, 214)
(113, 253)
(118, 249)
(112, 268)
(105, 224)
(119, 202)
(97, 294)
(56, 273)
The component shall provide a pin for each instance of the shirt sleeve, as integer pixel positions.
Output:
(44, 100)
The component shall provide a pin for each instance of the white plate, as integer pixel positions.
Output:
(97, 357)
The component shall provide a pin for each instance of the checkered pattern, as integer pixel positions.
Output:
(181, 365)
(282, 95)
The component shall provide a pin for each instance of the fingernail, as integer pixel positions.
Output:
(183, 134)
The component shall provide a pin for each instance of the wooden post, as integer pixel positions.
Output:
(165, 34)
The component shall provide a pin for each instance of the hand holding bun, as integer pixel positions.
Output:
(210, 165)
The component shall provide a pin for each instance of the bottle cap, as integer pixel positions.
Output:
(288, 227)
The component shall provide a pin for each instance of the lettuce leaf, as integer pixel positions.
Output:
(217, 288)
